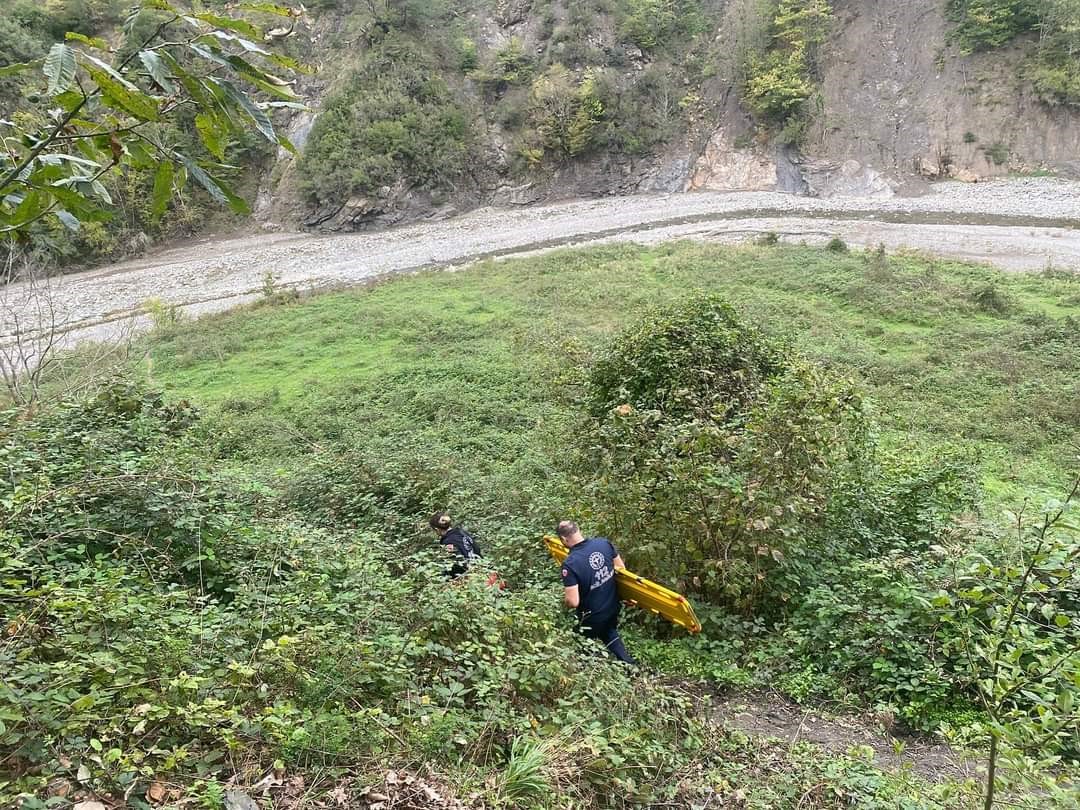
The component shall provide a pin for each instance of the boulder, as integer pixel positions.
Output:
(722, 167)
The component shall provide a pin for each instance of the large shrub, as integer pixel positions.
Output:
(713, 453)
(652, 24)
(565, 113)
(393, 119)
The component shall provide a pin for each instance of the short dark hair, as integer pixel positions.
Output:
(440, 520)
(566, 528)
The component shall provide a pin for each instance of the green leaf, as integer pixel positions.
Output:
(93, 42)
(192, 85)
(105, 66)
(247, 45)
(163, 188)
(212, 133)
(270, 8)
(68, 220)
(32, 205)
(240, 26)
(116, 95)
(209, 53)
(214, 187)
(159, 72)
(59, 68)
(20, 67)
(264, 81)
(69, 101)
(99, 191)
(139, 155)
(289, 63)
(259, 117)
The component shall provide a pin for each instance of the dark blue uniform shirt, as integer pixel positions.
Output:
(465, 549)
(591, 566)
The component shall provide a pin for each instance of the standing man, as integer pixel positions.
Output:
(588, 576)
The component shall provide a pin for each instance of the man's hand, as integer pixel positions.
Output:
(618, 562)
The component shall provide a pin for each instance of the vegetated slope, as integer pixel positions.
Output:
(438, 108)
(949, 351)
(244, 593)
(427, 109)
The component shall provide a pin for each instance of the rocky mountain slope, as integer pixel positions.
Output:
(551, 100)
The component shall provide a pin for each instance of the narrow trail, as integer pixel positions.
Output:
(1017, 225)
(771, 716)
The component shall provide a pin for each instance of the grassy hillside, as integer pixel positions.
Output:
(245, 589)
(947, 352)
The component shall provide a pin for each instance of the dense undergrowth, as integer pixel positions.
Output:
(242, 587)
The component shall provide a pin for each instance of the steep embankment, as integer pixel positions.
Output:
(516, 103)
(899, 100)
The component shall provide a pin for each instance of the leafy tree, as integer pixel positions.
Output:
(395, 120)
(1054, 67)
(985, 24)
(101, 110)
(803, 21)
(717, 451)
(780, 81)
(566, 115)
(1055, 71)
(652, 24)
(779, 85)
(1014, 625)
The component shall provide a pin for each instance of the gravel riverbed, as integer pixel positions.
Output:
(1017, 225)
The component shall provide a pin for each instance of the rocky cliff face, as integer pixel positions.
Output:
(898, 108)
(900, 102)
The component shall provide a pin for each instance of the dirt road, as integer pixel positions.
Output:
(1018, 225)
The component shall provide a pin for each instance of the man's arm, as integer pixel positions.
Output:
(618, 562)
(572, 595)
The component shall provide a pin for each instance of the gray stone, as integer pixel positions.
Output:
(238, 800)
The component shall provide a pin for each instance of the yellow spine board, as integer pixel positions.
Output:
(642, 592)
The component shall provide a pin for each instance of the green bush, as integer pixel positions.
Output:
(652, 24)
(565, 115)
(1055, 71)
(394, 119)
(871, 626)
(697, 359)
(985, 24)
(644, 114)
(157, 630)
(716, 451)
(1054, 65)
(781, 80)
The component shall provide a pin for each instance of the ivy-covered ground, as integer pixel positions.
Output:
(229, 585)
